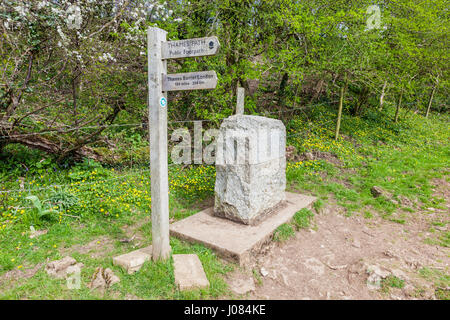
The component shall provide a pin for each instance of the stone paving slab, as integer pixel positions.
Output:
(235, 241)
(189, 273)
(134, 260)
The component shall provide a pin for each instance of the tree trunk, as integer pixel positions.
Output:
(397, 111)
(341, 103)
(431, 97)
(383, 92)
(50, 147)
(363, 97)
(317, 90)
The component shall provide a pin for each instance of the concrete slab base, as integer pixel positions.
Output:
(189, 273)
(232, 240)
(134, 260)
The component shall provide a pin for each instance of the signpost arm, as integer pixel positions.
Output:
(157, 100)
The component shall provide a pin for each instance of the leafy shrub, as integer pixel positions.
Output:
(63, 199)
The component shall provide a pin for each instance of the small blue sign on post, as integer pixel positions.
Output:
(163, 102)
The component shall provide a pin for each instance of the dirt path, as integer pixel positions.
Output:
(331, 262)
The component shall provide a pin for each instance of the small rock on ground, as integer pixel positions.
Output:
(103, 279)
(378, 192)
(264, 272)
(376, 274)
(37, 233)
(58, 268)
(242, 286)
(134, 260)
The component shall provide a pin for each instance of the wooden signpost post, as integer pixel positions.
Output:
(159, 82)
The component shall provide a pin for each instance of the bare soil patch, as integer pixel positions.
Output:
(330, 260)
(96, 248)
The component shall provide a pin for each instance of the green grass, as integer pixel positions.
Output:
(257, 277)
(368, 215)
(442, 294)
(443, 240)
(302, 218)
(412, 153)
(283, 232)
(86, 212)
(155, 280)
(392, 282)
(318, 204)
(440, 279)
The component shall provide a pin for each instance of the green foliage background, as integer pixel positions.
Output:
(288, 55)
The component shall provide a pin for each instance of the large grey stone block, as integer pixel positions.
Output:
(250, 168)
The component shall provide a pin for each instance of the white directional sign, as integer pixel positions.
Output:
(190, 48)
(159, 82)
(189, 81)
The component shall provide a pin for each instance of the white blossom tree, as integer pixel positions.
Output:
(67, 67)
